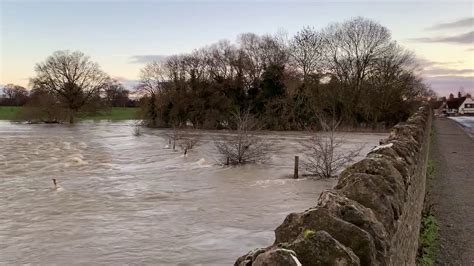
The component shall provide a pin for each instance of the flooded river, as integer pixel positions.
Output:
(129, 200)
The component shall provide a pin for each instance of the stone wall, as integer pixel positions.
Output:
(371, 217)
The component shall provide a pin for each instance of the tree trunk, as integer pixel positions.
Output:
(71, 117)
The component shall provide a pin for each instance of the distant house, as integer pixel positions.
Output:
(467, 106)
(458, 106)
(454, 106)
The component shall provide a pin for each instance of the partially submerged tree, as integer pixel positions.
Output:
(244, 145)
(43, 107)
(325, 156)
(183, 138)
(173, 137)
(188, 141)
(72, 78)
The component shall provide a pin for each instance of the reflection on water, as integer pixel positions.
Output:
(127, 199)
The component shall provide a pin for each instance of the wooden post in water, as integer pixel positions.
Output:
(295, 176)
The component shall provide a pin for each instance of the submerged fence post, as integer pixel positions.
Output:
(295, 176)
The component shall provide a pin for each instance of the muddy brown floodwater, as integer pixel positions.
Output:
(129, 200)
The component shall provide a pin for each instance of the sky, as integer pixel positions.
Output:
(123, 35)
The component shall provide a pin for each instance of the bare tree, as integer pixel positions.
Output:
(351, 50)
(15, 95)
(194, 67)
(218, 59)
(115, 94)
(324, 154)
(182, 138)
(353, 47)
(188, 141)
(243, 146)
(250, 48)
(306, 51)
(73, 78)
(173, 137)
(153, 78)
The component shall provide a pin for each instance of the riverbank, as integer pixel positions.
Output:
(114, 113)
(450, 192)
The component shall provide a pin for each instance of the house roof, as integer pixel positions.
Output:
(455, 102)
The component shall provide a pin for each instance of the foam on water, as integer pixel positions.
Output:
(203, 163)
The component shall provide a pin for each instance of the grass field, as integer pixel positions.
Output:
(115, 113)
(9, 112)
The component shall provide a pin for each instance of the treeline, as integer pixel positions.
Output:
(50, 101)
(14, 95)
(351, 71)
(113, 95)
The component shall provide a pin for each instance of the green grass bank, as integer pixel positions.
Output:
(9, 112)
(114, 113)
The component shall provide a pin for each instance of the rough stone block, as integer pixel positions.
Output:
(384, 196)
(358, 215)
(320, 248)
(320, 219)
(277, 257)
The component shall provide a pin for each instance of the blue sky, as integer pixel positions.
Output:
(114, 32)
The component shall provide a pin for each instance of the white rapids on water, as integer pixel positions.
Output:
(128, 200)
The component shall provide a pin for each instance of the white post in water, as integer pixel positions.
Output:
(295, 176)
